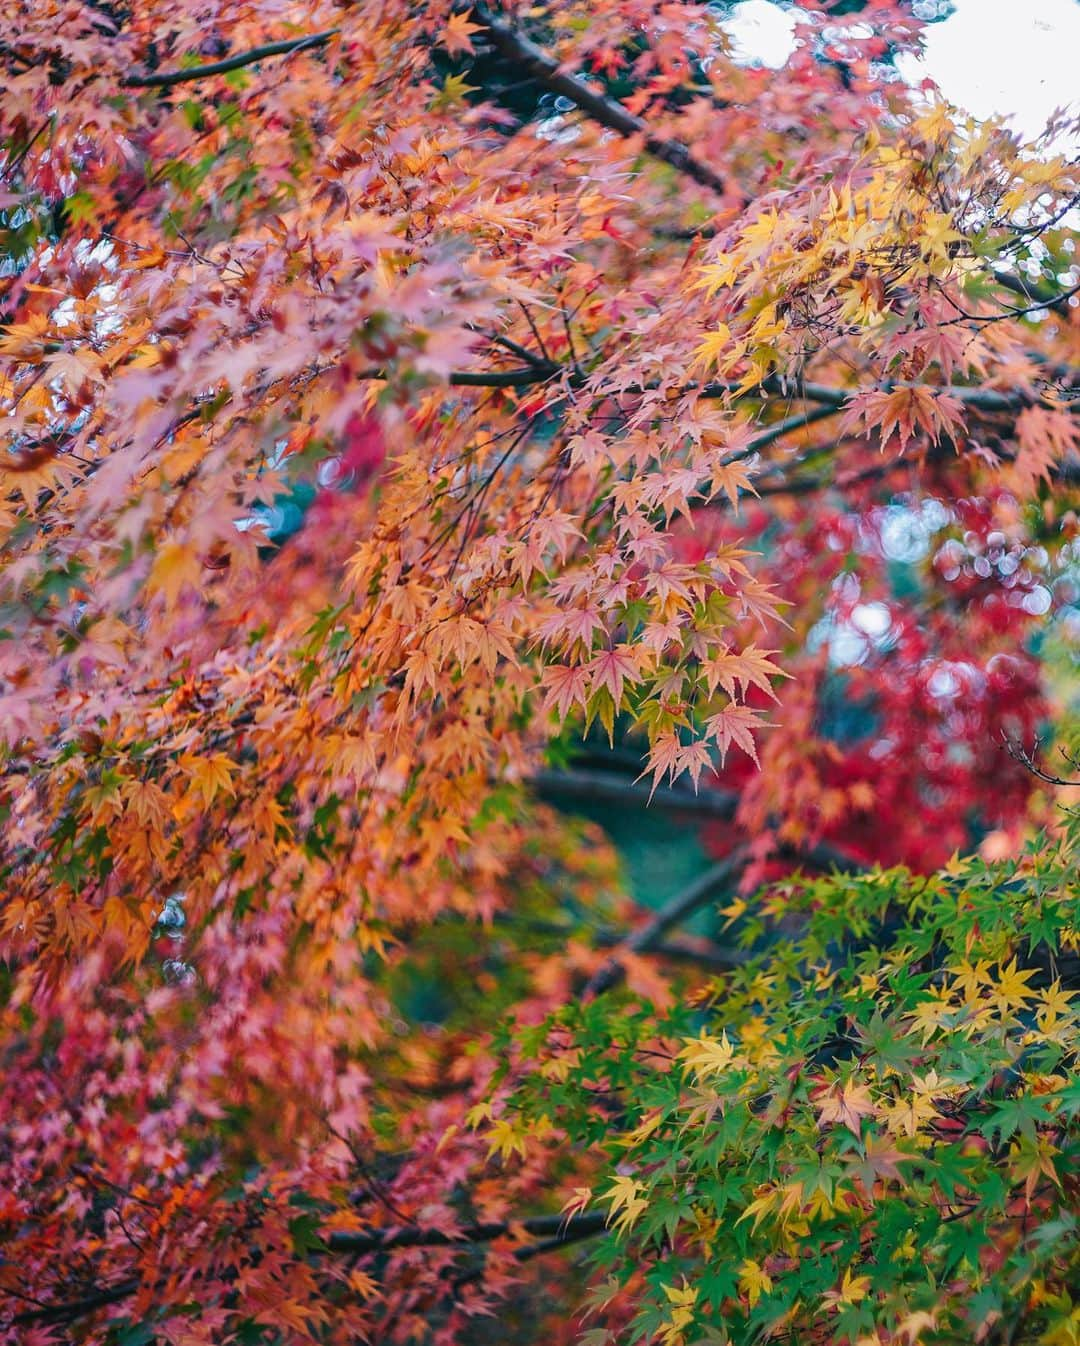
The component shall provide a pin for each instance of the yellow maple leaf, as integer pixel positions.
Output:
(713, 346)
(504, 1140)
(717, 275)
(175, 567)
(852, 1290)
(209, 776)
(1010, 991)
(626, 1203)
(708, 1056)
(577, 1202)
(754, 1281)
(682, 1299)
(915, 1324)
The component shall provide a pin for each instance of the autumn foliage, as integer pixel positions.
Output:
(414, 414)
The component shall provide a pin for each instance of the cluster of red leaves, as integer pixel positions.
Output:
(915, 665)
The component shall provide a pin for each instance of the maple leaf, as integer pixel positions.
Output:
(904, 411)
(844, 1105)
(664, 756)
(566, 686)
(1009, 991)
(209, 776)
(853, 1289)
(176, 567)
(912, 1326)
(611, 668)
(713, 347)
(1046, 438)
(693, 758)
(754, 1281)
(735, 724)
(733, 670)
(626, 1204)
(457, 34)
(708, 1056)
(577, 1202)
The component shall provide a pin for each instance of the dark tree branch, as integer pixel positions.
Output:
(1039, 295)
(782, 428)
(78, 1308)
(485, 378)
(558, 1229)
(167, 78)
(612, 788)
(694, 896)
(501, 378)
(723, 875)
(581, 1227)
(538, 65)
(553, 1231)
(828, 396)
(701, 952)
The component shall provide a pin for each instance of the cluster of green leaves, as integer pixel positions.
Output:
(868, 1133)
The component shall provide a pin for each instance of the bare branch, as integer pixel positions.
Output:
(1019, 753)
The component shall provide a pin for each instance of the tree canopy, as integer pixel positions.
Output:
(418, 416)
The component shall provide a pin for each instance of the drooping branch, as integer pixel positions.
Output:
(70, 1310)
(534, 62)
(166, 78)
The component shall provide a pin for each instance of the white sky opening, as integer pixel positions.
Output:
(989, 57)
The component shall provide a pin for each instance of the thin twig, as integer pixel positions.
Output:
(1019, 753)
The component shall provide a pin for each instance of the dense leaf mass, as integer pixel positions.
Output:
(397, 397)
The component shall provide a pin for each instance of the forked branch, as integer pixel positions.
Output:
(1019, 753)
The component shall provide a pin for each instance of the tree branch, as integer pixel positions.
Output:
(694, 896)
(167, 78)
(538, 65)
(611, 788)
(579, 1227)
(781, 428)
(558, 1229)
(980, 399)
(1040, 295)
(724, 874)
(77, 1308)
(1019, 753)
(554, 1231)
